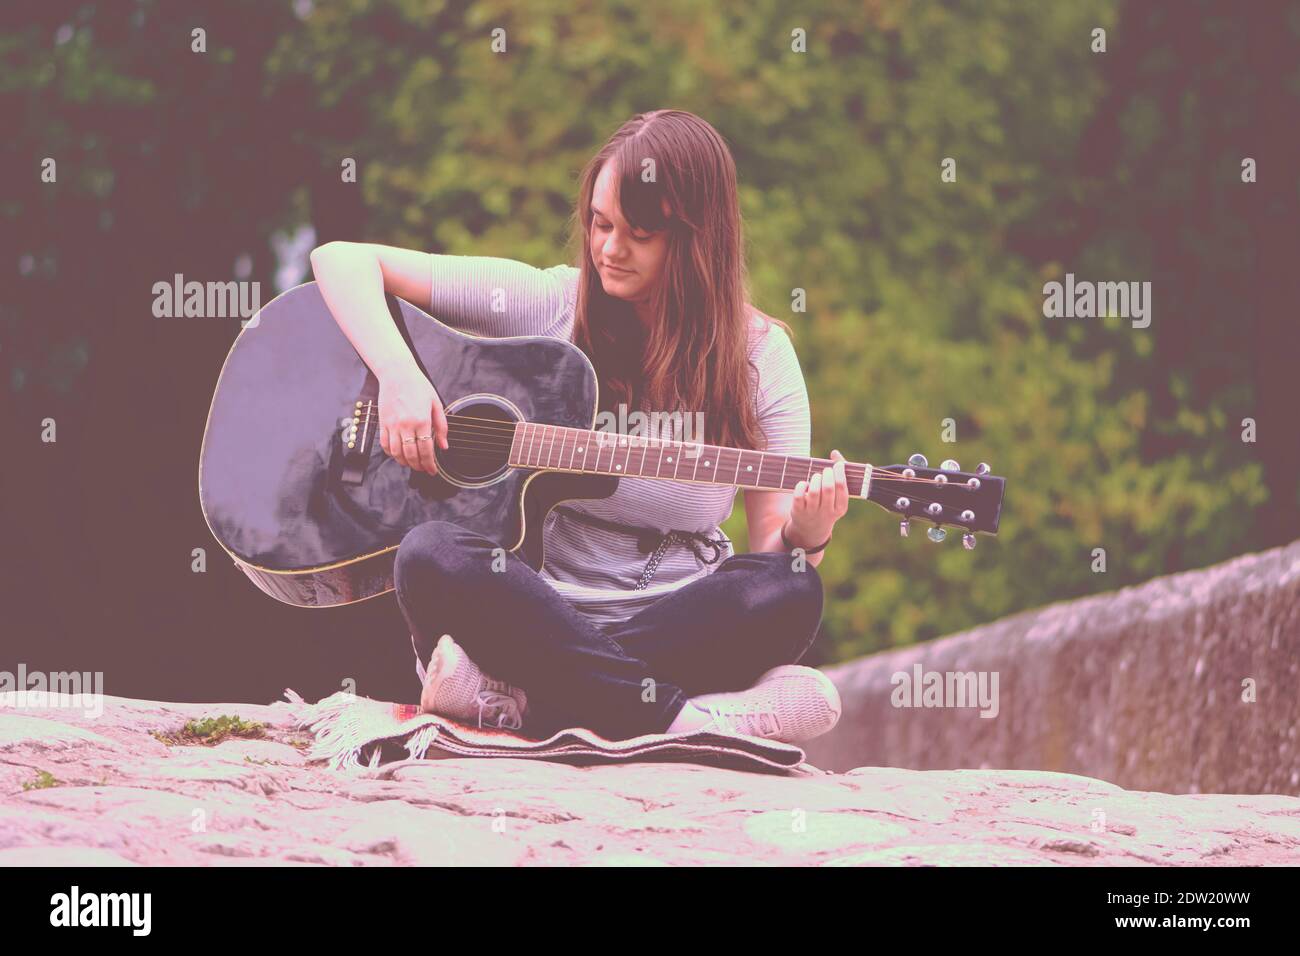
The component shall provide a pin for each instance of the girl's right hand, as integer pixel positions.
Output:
(409, 408)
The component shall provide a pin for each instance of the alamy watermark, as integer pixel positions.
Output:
(1090, 300)
(946, 689)
(684, 427)
(207, 300)
(129, 910)
(54, 689)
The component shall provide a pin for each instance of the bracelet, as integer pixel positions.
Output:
(786, 541)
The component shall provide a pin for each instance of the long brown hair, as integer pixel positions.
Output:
(694, 357)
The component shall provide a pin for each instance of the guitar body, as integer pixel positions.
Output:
(314, 523)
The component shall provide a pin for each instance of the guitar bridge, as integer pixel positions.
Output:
(359, 430)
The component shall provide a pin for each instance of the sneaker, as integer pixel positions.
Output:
(455, 687)
(790, 703)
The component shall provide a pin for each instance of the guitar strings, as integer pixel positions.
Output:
(496, 436)
(504, 427)
(494, 451)
(494, 454)
(466, 433)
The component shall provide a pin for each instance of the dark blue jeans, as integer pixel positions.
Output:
(717, 633)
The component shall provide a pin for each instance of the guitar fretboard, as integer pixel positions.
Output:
(558, 448)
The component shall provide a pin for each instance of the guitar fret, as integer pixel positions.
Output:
(621, 467)
(710, 463)
(740, 462)
(607, 440)
(585, 456)
(613, 450)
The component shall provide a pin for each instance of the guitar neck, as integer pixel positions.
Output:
(558, 448)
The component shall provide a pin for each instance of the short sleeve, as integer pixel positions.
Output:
(497, 297)
(782, 396)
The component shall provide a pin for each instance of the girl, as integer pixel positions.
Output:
(658, 303)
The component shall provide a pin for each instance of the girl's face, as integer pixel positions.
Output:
(630, 263)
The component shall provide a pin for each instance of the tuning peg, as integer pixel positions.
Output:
(904, 527)
(982, 468)
(936, 534)
(934, 508)
(918, 460)
(950, 464)
(968, 541)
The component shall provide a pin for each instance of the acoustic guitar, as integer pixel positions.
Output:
(295, 486)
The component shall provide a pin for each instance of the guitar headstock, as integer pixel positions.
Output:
(945, 496)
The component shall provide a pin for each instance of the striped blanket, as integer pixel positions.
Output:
(352, 732)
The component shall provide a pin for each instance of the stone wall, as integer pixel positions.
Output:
(1142, 687)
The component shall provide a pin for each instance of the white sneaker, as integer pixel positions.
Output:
(790, 703)
(455, 687)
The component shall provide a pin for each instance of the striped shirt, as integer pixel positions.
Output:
(594, 569)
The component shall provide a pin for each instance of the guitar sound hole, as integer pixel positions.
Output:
(479, 434)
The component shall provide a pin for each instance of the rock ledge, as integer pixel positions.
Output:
(123, 797)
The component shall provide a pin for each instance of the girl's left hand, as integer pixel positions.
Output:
(818, 504)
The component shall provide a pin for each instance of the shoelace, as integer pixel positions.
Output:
(501, 707)
(728, 716)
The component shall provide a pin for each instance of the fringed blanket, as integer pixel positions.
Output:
(353, 731)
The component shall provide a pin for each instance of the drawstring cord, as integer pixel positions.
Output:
(656, 541)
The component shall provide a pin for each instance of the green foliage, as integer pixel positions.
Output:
(211, 731)
(44, 780)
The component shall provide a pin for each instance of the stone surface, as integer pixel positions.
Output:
(1143, 687)
(123, 798)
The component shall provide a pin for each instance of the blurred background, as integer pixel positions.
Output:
(924, 297)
